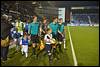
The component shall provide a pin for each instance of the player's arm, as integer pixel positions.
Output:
(49, 25)
(29, 28)
(21, 43)
(40, 28)
(61, 31)
(64, 31)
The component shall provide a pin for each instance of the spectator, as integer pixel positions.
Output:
(5, 32)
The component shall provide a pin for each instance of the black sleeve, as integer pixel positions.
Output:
(5, 30)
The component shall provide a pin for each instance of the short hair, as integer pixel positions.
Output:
(4, 17)
(60, 19)
(34, 16)
(44, 18)
(55, 17)
(25, 33)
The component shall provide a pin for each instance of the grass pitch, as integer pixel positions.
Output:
(86, 46)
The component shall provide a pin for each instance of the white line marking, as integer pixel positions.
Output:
(64, 44)
(73, 52)
(64, 38)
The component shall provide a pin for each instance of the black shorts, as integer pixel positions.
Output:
(35, 38)
(59, 37)
(48, 47)
(42, 35)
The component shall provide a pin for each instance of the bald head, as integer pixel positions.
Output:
(5, 17)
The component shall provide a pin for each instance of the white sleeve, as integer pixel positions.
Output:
(51, 36)
(21, 42)
(46, 39)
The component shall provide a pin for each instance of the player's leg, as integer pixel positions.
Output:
(22, 50)
(37, 45)
(17, 45)
(59, 46)
(33, 45)
(60, 40)
(26, 50)
(48, 52)
(54, 47)
(55, 52)
(18, 41)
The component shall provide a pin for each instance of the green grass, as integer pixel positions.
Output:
(86, 45)
(16, 59)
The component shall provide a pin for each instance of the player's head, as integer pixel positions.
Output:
(60, 20)
(26, 20)
(44, 20)
(25, 34)
(55, 19)
(34, 18)
(4, 17)
(49, 30)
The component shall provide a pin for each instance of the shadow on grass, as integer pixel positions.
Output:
(80, 64)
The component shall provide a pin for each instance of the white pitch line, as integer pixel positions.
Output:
(73, 52)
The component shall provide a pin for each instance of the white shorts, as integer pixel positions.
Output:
(25, 48)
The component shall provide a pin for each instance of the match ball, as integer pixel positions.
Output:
(53, 41)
